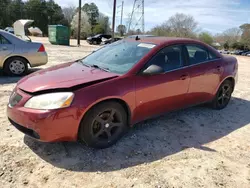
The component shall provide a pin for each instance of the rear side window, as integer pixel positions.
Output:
(3, 40)
(169, 58)
(199, 54)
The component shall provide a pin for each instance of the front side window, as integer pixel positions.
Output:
(169, 58)
(120, 56)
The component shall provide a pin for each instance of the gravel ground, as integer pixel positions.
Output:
(196, 147)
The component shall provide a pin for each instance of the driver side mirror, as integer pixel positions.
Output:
(153, 70)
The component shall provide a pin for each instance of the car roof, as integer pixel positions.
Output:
(160, 40)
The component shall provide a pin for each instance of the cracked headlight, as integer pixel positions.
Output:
(50, 101)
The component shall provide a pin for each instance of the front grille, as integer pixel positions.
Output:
(15, 98)
(25, 130)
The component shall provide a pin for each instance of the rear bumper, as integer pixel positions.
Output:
(38, 59)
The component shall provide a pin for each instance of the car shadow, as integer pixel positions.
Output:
(4, 79)
(150, 140)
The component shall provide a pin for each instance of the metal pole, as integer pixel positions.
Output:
(79, 23)
(122, 13)
(130, 22)
(113, 24)
(143, 24)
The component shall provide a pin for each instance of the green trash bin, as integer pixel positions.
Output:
(59, 34)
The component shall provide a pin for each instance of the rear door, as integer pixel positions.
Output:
(156, 94)
(205, 70)
(6, 48)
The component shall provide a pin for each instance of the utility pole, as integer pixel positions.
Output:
(79, 23)
(113, 23)
(122, 13)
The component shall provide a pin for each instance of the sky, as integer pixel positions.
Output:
(214, 16)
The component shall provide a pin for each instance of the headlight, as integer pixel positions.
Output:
(50, 101)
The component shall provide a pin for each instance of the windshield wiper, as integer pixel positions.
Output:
(93, 66)
(80, 61)
(98, 67)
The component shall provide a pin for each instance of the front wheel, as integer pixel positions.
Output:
(103, 125)
(223, 95)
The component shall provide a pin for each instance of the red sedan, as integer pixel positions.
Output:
(97, 98)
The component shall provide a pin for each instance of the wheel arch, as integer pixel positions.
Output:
(230, 78)
(113, 99)
(14, 56)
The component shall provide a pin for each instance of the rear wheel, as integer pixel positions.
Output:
(103, 125)
(16, 66)
(223, 95)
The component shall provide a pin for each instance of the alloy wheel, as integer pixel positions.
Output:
(106, 125)
(224, 95)
(17, 67)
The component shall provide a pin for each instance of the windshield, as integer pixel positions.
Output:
(118, 57)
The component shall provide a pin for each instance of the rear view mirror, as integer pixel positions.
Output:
(153, 70)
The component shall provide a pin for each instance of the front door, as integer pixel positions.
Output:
(156, 94)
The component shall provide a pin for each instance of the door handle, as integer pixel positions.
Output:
(183, 77)
(4, 48)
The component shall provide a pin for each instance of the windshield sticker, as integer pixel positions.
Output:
(145, 45)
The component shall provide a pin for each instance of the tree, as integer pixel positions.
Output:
(121, 29)
(103, 22)
(245, 37)
(93, 13)
(85, 26)
(43, 13)
(232, 35)
(206, 37)
(98, 29)
(69, 13)
(226, 46)
(183, 25)
(179, 25)
(238, 45)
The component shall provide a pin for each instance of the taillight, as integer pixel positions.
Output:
(41, 49)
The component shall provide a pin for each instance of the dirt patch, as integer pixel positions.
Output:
(196, 147)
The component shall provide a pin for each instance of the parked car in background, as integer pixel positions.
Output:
(242, 51)
(97, 39)
(139, 36)
(16, 54)
(226, 52)
(109, 41)
(97, 98)
(246, 53)
(9, 29)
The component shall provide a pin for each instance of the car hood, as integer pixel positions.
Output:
(63, 76)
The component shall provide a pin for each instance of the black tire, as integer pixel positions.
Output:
(223, 95)
(99, 129)
(21, 69)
